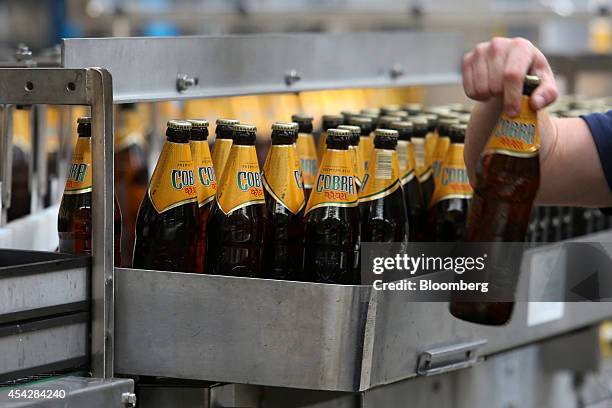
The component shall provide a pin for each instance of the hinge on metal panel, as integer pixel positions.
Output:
(448, 358)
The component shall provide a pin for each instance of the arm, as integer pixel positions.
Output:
(570, 166)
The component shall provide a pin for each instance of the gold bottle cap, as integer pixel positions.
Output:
(84, 119)
(355, 130)
(178, 124)
(401, 125)
(338, 132)
(448, 121)
(459, 127)
(243, 127)
(532, 80)
(414, 107)
(198, 123)
(390, 108)
(332, 117)
(298, 117)
(370, 111)
(285, 126)
(227, 122)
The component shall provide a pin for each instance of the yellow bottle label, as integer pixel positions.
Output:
(452, 181)
(382, 179)
(79, 175)
(358, 167)
(130, 130)
(240, 185)
(431, 140)
(173, 182)
(516, 136)
(220, 153)
(439, 155)
(366, 144)
(322, 145)
(405, 160)
(422, 169)
(206, 183)
(307, 154)
(335, 186)
(282, 177)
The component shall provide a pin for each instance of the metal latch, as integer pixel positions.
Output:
(448, 358)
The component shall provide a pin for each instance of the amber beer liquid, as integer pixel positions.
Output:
(413, 196)
(307, 152)
(236, 227)
(507, 181)
(223, 144)
(423, 168)
(282, 182)
(206, 185)
(74, 218)
(384, 217)
(131, 173)
(332, 217)
(166, 227)
(356, 153)
(328, 122)
(450, 202)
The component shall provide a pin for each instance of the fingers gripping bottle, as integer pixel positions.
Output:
(282, 181)
(235, 231)
(332, 217)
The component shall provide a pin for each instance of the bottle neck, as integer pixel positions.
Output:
(224, 132)
(177, 136)
(199, 134)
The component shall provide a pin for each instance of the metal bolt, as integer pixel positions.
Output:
(183, 82)
(108, 281)
(396, 71)
(291, 77)
(23, 52)
(128, 399)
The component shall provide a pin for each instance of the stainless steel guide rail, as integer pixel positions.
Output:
(93, 87)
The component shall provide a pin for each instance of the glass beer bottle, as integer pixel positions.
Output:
(328, 122)
(74, 219)
(423, 170)
(236, 225)
(507, 180)
(223, 144)
(206, 185)
(365, 142)
(356, 153)
(332, 217)
(439, 154)
(166, 227)
(384, 217)
(307, 152)
(282, 182)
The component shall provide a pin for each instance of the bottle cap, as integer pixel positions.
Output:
(284, 126)
(227, 122)
(198, 123)
(84, 119)
(301, 118)
(178, 125)
(386, 133)
(402, 125)
(370, 111)
(244, 128)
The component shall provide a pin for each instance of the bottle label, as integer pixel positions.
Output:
(322, 147)
(308, 158)
(173, 182)
(431, 140)
(383, 178)
(422, 169)
(79, 175)
(206, 183)
(452, 181)
(405, 159)
(282, 177)
(240, 184)
(516, 136)
(357, 165)
(220, 154)
(335, 186)
(439, 155)
(366, 144)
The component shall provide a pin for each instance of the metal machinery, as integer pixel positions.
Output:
(213, 341)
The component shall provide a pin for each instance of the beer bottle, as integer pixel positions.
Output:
(390, 110)
(166, 227)
(74, 218)
(373, 114)
(328, 122)
(449, 205)
(384, 122)
(431, 139)
(223, 144)
(413, 196)
(413, 109)
(384, 216)
(356, 153)
(507, 180)
(307, 152)
(282, 181)
(439, 154)
(131, 173)
(365, 143)
(347, 115)
(21, 197)
(206, 185)
(235, 231)
(332, 217)
(423, 170)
